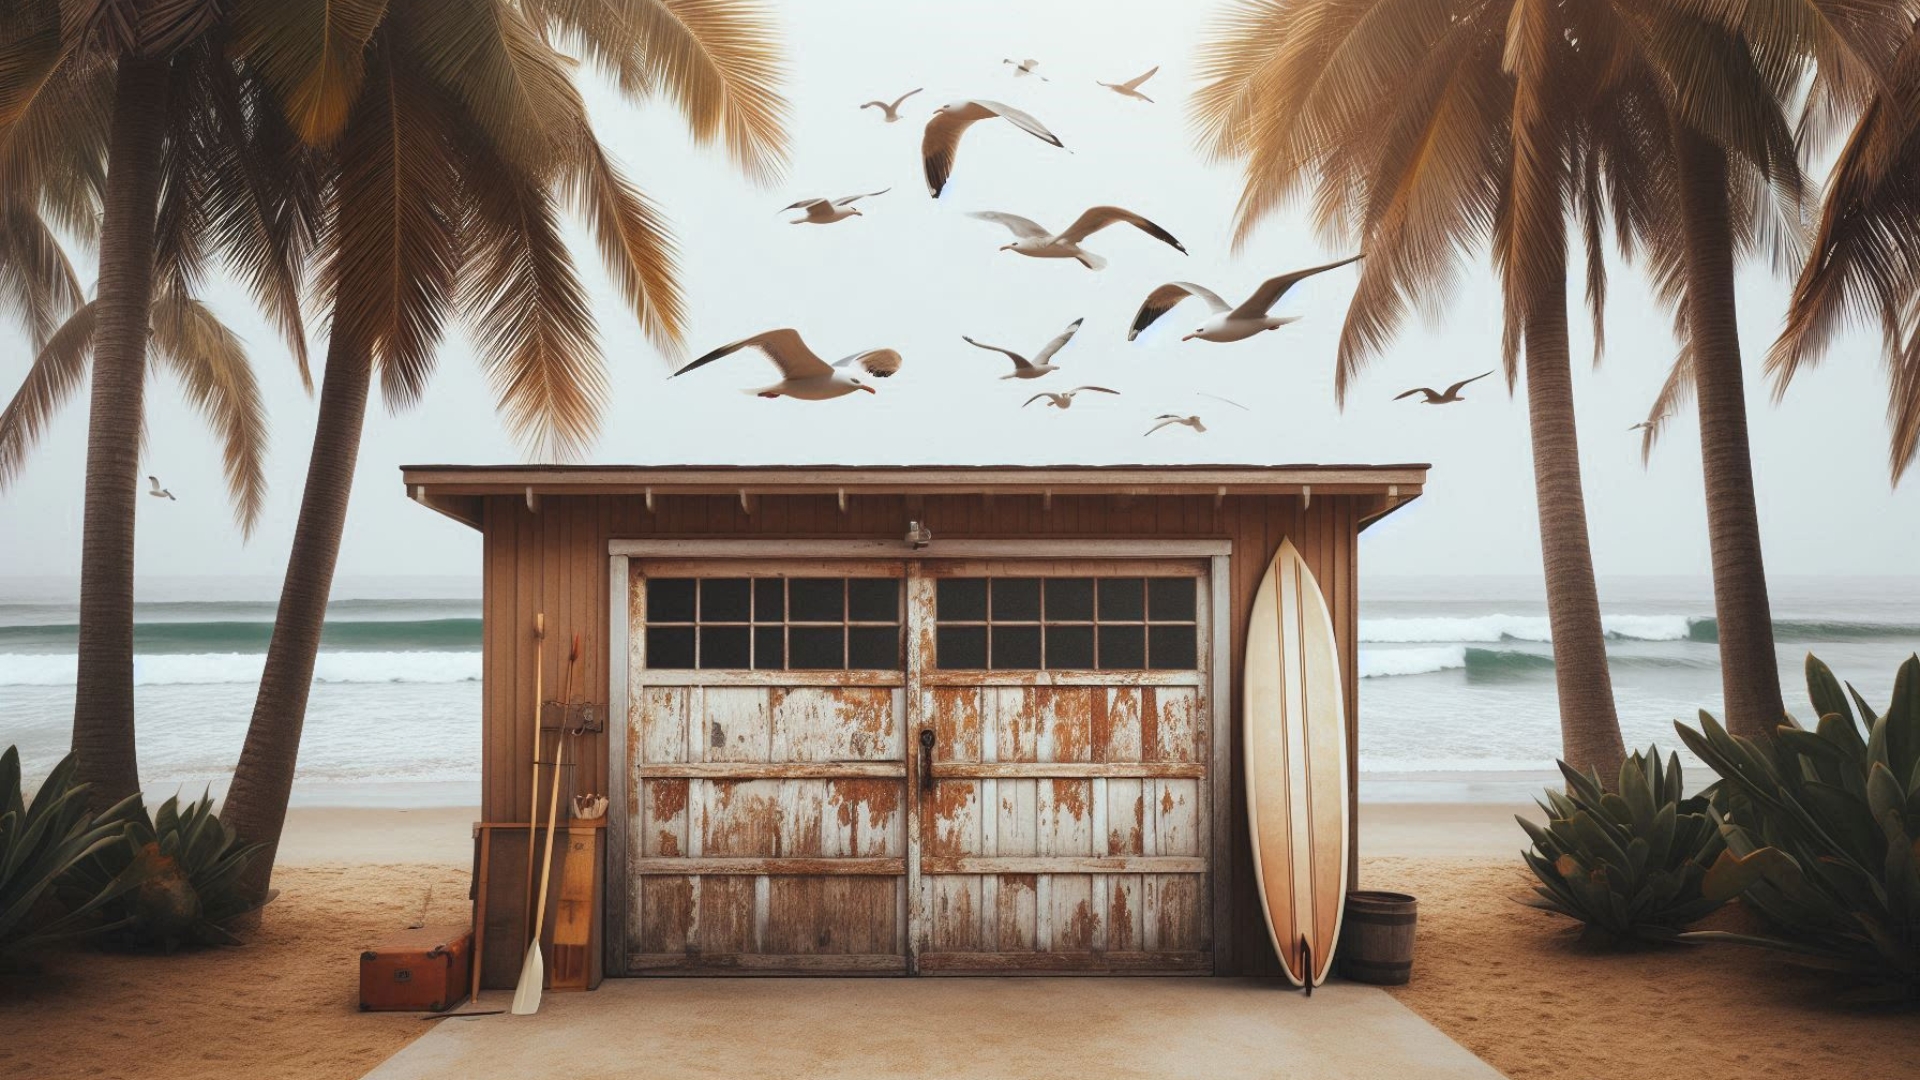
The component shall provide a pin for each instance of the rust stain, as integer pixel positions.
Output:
(1131, 842)
(1101, 726)
(950, 802)
(1081, 926)
(1120, 926)
(1071, 795)
(669, 798)
(869, 713)
(1166, 800)
(669, 844)
(1150, 748)
(1072, 712)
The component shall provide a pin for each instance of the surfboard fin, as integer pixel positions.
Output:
(1306, 965)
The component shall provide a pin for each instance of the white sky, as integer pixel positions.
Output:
(915, 274)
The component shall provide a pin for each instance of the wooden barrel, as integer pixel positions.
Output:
(1376, 937)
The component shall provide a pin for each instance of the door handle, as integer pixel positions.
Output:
(926, 759)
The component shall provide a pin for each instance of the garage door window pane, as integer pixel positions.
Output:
(1016, 600)
(769, 599)
(1070, 600)
(1016, 647)
(724, 600)
(1171, 599)
(670, 600)
(816, 599)
(816, 647)
(1122, 647)
(769, 648)
(723, 647)
(961, 599)
(1172, 648)
(1122, 598)
(873, 600)
(961, 648)
(670, 647)
(873, 648)
(1070, 646)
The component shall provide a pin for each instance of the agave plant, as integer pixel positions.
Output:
(1823, 830)
(1629, 864)
(39, 842)
(178, 874)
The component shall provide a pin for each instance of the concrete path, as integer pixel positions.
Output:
(993, 1029)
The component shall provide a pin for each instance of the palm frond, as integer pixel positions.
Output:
(53, 154)
(211, 363)
(718, 61)
(1674, 395)
(59, 367)
(512, 83)
(635, 243)
(313, 54)
(37, 283)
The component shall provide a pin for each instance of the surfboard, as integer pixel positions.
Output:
(1294, 721)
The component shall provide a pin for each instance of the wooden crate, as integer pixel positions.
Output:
(574, 904)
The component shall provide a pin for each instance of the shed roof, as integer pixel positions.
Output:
(454, 490)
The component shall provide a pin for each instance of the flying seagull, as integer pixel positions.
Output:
(1169, 419)
(1131, 88)
(154, 489)
(1033, 238)
(1227, 323)
(1064, 400)
(950, 121)
(1039, 365)
(828, 211)
(1649, 425)
(803, 374)
(1452, 393)
(892, 112)
(1023, 68)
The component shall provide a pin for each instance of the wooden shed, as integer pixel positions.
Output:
(905, 719)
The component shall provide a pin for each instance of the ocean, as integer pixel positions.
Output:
(1456, 696)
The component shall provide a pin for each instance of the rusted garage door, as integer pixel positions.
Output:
(766, 769)
(1065, 825)
(937, 766)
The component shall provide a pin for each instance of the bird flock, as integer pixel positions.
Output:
(806, 376)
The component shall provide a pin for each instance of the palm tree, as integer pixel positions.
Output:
(1863, 265)
(1424, 134)
(109, 105)
(456, 140)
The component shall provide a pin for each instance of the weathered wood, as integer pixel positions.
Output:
(1376, 939)
(1112, 963)
(785, 770)
(1062, 864)
(764, 964)
(1068, 770)
(720, 864)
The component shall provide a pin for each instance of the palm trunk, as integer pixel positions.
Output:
(256, 804)
(1749, 672)
(103, 736)
(1589, 726)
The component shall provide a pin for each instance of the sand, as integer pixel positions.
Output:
(1510, 983)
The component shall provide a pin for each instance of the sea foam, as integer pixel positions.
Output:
(1437, 629)
(177, 669)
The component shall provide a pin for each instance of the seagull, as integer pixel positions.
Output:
(828, 211)
(1038, 366)
(1169, 419)
(1452, 395)
(805, 375)
(1034, 240)
(1131, 88)
(1649, 425)
(1227, 323)
(1064, 400)
(154, 489)
(950, 121)
(1023, 68)
(892, 112)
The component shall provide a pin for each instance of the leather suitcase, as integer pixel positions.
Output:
(424, 970)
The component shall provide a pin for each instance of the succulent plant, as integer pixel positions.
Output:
(1628, 863)
(1823, 830)
(179, 875)
(39, 843)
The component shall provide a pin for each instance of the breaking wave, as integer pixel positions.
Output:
(177, 669)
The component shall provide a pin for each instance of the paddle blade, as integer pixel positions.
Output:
(526, 995)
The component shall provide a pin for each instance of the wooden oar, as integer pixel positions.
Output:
(533, 972)
(533, 798)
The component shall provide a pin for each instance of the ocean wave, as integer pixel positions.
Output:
(251, 635)
(178, 669)
(1443, 628)
(1492, 663)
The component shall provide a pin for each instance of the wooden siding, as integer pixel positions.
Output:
(555, 561)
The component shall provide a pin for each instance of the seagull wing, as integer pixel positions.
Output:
(1019, 362)
(1037, 397)
(1058, 343)
(1097, 389)
(1417, 390)
(1164, 421)
(881, 105)
(1226, 401)
(154, 484)
(1455, 388)
(1274, 288)
(903, 97)
(849, 200)
(879, 363)
(803, 204)
(1099, 217)
(942, 139)
(783, 347)
(1162, 300)
(1026, 228)
(1134, 83)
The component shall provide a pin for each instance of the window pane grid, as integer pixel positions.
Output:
(1067, 623)
(773, 623)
